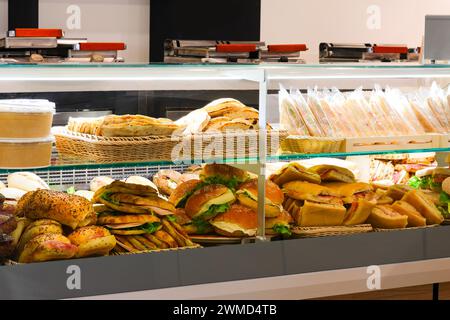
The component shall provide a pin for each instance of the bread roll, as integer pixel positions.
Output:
(12, 193)
(26, 181)
(69, 210)
(238, 221)
(445, 186)
(385, 217)
(99, 182)
(92, 241)
(88, 195)
(415, 219)
(47, 247)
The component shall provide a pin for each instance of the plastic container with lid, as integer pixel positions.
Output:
(25, 119)
(25, 153)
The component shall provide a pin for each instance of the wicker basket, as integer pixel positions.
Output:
(115, 253)
(110, 150)
(315, 232)
(237, 145)
(304, 144)
(232, 144)
(411, 228)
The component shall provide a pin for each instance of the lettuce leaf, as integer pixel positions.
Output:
(202, 226)
(414, 182)
(150, 227)
(71, 190)
(422, 183)
(444, 198)
(444, 208)
(214, 210)
(230, 183)
(282, 229)
(106, 197)
(171, 218)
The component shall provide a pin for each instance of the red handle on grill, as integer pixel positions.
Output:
(388, 49)
(287, 47)
(236, 48)
(102, 46)
(33, 32)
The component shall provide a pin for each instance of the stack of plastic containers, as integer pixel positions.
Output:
(25, 138)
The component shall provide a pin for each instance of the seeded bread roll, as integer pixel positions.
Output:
(70, 210)
(47, 247)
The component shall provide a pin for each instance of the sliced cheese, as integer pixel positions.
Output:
(224, 198)
(231, 227)
(255, 198)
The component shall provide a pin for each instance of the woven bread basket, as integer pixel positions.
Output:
(305, 144)
(409, 228)
(315, 232)
(237, 145)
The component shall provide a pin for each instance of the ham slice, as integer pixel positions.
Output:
(160, 211)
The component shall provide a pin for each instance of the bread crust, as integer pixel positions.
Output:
(379, 219)
(415, 219)
(182, 190)
(46, 247)
(301, 190)
(222, 170)
(425, 206)
(201, 196)
(85, 234)
(446, 186)
(237, 216)
(318, 214)
(284, 218)
(294, 172)
(273, 192)
(326, 173)
(360, 214)
(69, 210)
(105, 219)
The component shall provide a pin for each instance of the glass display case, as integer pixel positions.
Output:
(340, 125)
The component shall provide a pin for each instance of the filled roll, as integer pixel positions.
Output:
(247, 195)
(69, 210)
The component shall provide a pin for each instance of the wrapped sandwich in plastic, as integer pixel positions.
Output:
(438, 104)
(337, 126)
(403, 107)
(321, 116)
(389, 114)
(424, 114)
(337, 103)
(290, 117)
(358, 106)
(308, 117)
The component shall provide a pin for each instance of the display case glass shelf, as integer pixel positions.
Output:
(293, 157)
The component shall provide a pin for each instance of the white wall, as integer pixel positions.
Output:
(3, 17)
(111, 20)
(314, 21)
(283, 21)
